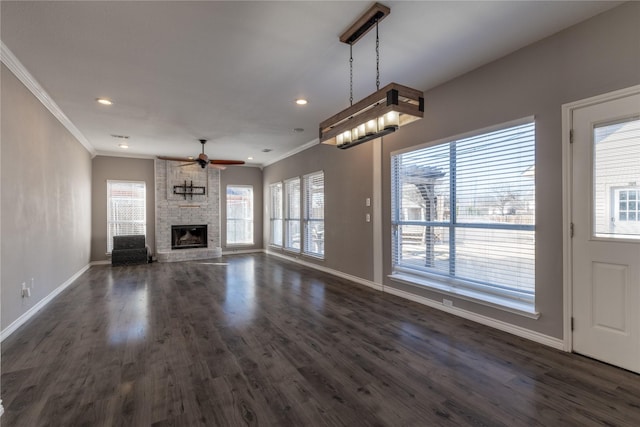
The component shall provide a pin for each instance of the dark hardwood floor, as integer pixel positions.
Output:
(251, 340)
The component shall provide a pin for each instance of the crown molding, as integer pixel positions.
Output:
(292, 152)
(124, 154)
(15, 66)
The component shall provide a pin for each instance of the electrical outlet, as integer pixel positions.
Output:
(368, 201)
(447, 302)
(367, 217)
(24, 291)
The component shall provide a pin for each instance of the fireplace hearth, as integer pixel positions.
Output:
(188, 236)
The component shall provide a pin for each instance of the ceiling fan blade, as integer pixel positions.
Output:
(226, 162)
(187, 164)
(177, 159)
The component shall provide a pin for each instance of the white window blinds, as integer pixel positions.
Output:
(292, 214)
(239, 215)
(314, 214)
(126, 209)
(275, 235)
(464, 214)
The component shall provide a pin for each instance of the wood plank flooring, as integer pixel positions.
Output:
(251, 340)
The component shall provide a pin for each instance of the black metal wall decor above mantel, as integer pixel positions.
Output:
(189, 190)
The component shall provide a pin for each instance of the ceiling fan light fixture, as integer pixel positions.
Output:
(380, 113)
(104, 101)
(203, 160)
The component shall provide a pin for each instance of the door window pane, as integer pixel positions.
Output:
(616, 179)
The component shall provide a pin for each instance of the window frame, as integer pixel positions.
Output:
(109, 210)
(494, 295)
(250, 220)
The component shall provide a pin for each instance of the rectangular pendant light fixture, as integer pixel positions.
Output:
(380, 113)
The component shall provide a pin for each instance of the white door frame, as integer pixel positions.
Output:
(567, 214)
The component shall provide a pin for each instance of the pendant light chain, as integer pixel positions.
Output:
(350, 73)
(377, 58)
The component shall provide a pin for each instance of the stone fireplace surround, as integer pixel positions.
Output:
(178, 209)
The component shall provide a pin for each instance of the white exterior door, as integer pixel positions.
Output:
(605, 186)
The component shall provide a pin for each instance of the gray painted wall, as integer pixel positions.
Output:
(242, 175)
(46, 200)
(123, 169)
(348, 180)
(594, 57)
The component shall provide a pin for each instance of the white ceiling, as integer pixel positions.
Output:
(230, 71)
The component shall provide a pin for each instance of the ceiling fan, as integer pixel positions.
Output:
(203, 160)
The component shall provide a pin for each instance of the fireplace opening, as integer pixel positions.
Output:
(188, 236)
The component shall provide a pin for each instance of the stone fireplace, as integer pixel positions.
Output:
(187, 208)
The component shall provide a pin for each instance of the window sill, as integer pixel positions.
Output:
(313, 256)
(505, 304)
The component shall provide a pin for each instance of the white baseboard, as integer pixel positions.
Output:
(103, 262)
(331, 271)
(484, 320)
(478, 318)
(40, 305)
(1, 408)
(241, 251)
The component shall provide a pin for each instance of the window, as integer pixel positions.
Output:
(239, 215)
(292, 214)
(126, 209)
(275, 235)
(314, 214)
(474, 235)
(628, 205)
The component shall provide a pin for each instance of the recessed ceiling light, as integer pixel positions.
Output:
(249, 158)
(267, 150)
(298, 130)
(301, 101)
(190, 157)
(104, 101)
(123, 145)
